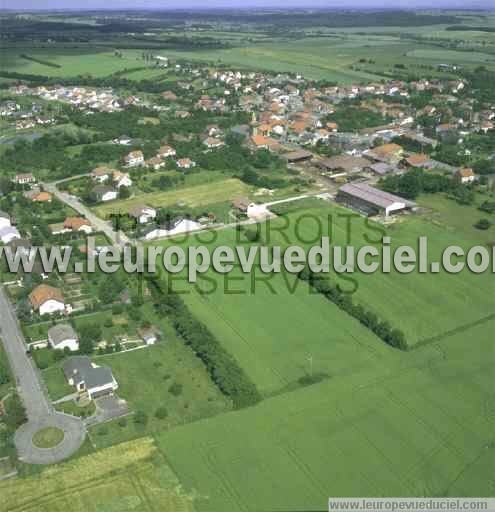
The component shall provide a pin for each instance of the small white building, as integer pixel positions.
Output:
(466, 175)
(134, 159)
(179, 227)
(143, 214)
(185, 163)
(4, 220)
(121, 179)
(8, 234)
(63, 336)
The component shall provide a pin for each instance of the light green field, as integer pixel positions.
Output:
(130, 476)
(459, 219)
(272, 323)
(423, 429)
(200, 195)
(440, 56)
(73, 62)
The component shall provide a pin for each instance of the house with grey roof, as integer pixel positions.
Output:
(89, 378)
(63, 336)
(372, 201)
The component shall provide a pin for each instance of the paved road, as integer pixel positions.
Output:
(38, 407)
(118, 238)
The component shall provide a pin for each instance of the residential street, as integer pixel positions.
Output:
(119, 239)
(38, 407)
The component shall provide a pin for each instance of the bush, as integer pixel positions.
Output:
(122, 422)
(140, 418)
(175, 389)
(161, 413)
(483, 224)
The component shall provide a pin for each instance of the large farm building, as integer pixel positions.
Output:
(372, 201)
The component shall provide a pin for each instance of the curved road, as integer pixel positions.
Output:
(39, 409)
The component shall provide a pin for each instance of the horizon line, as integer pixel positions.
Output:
(244, 9)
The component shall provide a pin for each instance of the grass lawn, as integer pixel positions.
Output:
(459, 219)
(145, 378)
(199, 195)
(48, 437)
(131, 476)
(71, 407)
(55, 382)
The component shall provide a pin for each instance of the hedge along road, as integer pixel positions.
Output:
(39, 409)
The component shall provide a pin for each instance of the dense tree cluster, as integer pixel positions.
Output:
(416, 181)
(352, 118)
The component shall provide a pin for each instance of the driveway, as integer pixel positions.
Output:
(39, 409)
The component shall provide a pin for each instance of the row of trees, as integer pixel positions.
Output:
(391, 336)
(416, 181)
(222, 367)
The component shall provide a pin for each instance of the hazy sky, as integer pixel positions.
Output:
(234, 4)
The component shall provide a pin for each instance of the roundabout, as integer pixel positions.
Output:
(50, 439)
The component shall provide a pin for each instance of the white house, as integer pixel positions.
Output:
(63, 336)
(47, 300)
(143, 214)
(101, 174)
(166, 151)
(121, 179)
(89, 378)
(104, 193)
(9, 233)
(4, 220)
(180, 226)
(185, 163)
(134, 159)
(466, 175)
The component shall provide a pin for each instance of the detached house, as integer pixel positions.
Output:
(212, 142)
(101, 174)
(466, 175)
(185, 163)
(134, 159)
(47, 300)
(88, 378)
(77, 224)
(63, 336)
(390, 153)
(143, 214)
(121, 179)
(166, 151)
(103, 193)
(24, 179)
(155, 163)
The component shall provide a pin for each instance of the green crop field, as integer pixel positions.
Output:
(73, 62)
(130, 476)
(272, 324)
(199, 195)
(423, 428)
